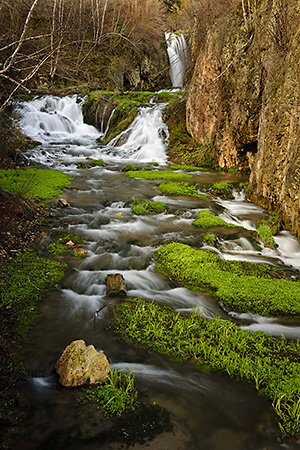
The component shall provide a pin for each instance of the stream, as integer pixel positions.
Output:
(210, 411)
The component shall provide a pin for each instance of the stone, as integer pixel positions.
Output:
(115, 285)
(80, 365)
(62, 203)
(81, 251)
(70, 243)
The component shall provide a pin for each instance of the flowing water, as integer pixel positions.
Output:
(210, 411)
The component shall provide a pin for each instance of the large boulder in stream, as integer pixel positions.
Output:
(80, 364)
(115, 285)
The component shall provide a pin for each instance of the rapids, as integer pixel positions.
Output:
(210, 411)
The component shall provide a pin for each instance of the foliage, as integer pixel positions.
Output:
(270, 365)
(59, 247)
(265, 234)
(181, 189)
(206, 219)
(157, 174)
(273, 222)
(240, 286)
(83, 165)
(116, 395)
(29, 183)
(21, 286)
(130, 167)
(141, 207)
(98, 162)
(210, 239)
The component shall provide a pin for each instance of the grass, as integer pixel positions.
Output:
(116, 395)
(206, 219)
(143, 207)
(147, 174)
(22, 284)
(239, 285)
(270, 365)
(32, 183)
(182, 189)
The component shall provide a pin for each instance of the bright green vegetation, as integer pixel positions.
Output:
(98, 162)
(182, 189)
(223, 189)
(210, 239)
(239, 285)
(147, 174)
(130, 168)
(59, 247)
(141, 207)
(265, 234)
(21, 286)
(273, 222)
(83, 165)
(271, 365)
(116, 395)
(184, 167)
(30, 183)
(206, 219)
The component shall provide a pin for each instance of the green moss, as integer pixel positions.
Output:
(83, 165)
(157, 175)
(270, 365)
(116, 395)
(240, 286)
(21, 286)
(265, 234)
(31, 183)
(130, 168)
(181, 189)
(206, 219)
(59, 247)
(98, 162)
(273, 222)
(142, 207)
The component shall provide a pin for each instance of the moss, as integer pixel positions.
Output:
(240, 286)
(83, 165)
(130, 168)
(270, 365)
(210, 239)
(184, 167)
(157, 175)
(59, 247)
(98, 162)
(181, 189)
(273, 222)
(144, 207)
(31, 183)
(206, 219)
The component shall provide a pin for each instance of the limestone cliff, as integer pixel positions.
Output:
(243, 98)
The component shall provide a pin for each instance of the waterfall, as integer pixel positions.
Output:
(179, 57)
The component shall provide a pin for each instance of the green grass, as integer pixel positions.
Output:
(240, 286)
(31, 183)
(184, 167)
(265, 235)
(206, 219)
(181, 189)
(22, 284)
(143, 207)
(147, 174)
(116, 395)
(270, 365)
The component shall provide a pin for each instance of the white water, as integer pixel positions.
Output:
(119, 242)
(178, 54)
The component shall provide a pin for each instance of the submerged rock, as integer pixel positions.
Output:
(80, 364)
(115, 285)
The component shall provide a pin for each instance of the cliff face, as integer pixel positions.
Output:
(243, 99)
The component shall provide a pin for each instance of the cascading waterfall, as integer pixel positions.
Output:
(118, 241)
(179, 57)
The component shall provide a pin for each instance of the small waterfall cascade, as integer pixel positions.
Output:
(179, 57)
(47, 118)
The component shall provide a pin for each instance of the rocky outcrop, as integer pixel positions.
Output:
(243, 99)
(79, 365)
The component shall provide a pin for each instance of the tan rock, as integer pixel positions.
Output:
(115, 285)
(81, 251)
(62, 203)
(80, 364)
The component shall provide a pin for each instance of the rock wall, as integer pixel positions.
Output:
(243, 98)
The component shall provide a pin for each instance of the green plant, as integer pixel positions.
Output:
(210, 239)
(116, 395)
(157, 174)
(184, 167)
(83, 165)
(141, 207)
(182, 189)
(98, 162)
(130, 168)
(206, 219)
(265, 234)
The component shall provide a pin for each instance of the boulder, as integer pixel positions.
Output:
(115, 285)
(62, 203)
(80, 364)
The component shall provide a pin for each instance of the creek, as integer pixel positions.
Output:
(210, 411)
